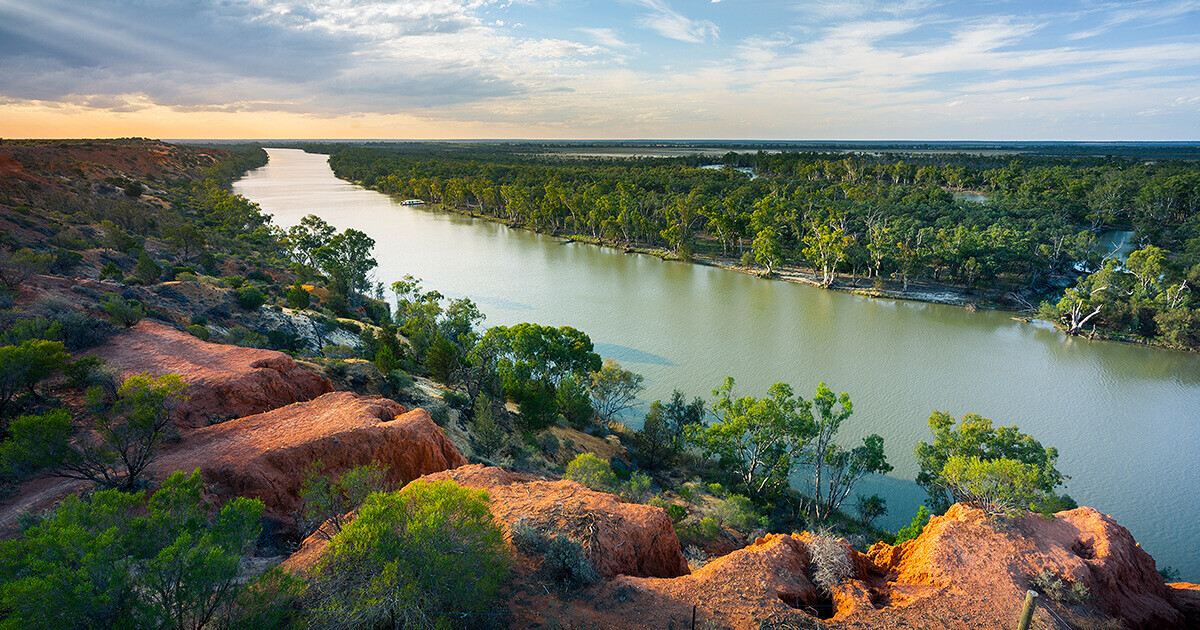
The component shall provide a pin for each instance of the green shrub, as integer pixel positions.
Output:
(233, 282)
(338, 352)
(914, 528)
(325, 498)
(677, 513)
(110, 271)
(715, 489)
(454, 399)
(432, 548)
(738, 512)
(440, 416)
(146, 269)
(199, 332)
(249, 298)
(488, 434)
(298, 298)
(185, 276)
(639, 485)
(1061, 590)
(124, 312)
(548, 442)
(591, 471)
(259, 276)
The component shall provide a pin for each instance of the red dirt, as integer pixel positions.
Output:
(266, 455)
(226, 381)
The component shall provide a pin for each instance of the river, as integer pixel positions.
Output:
(1125, 418)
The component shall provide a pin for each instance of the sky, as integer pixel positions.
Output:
(1077, 70)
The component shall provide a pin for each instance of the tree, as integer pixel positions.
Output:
(976, 438)
(613, 390)
(574, 405)
(114, 559)
(146, 269)
(1000, 487)
(129, 433)
(420, 558)
(23, 366)
(914, 529)
(298, 297)
(870, 507)
(836, 470)
(329, 499)
(757, 440)
(825, 245)
(767, 251)
(655, 441)
(544, 353)
(186, 239)
(306, 237)
(347, 260)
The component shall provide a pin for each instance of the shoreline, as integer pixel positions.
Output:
(926, 291)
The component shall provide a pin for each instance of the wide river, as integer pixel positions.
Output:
(1125, 418)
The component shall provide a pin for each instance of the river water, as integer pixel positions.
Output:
(1125, 418)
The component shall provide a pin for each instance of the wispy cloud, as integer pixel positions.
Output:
(671, 24)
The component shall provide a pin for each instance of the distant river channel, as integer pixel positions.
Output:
(1125, 418)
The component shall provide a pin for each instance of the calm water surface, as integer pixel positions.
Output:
(1126, 419)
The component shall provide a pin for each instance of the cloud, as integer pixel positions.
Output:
(671, 24)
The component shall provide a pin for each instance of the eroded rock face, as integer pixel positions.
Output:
(623, 538)
(963, 552)
(226, 381)
(266, 455)
(1186, 598)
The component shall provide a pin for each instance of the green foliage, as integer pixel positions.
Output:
(914, 529)
(996, 486)
(416, 558)
(613, 390)
(573, 403)
(676, 512)
(836, 470)
(129, 432)
(118, 560)
(298, 298)
(385, 360)
(489, 436)
(250, 298)
(591, 471)
(757, 440)
(976, 438)
(199, 332)
(17, 267)
(338, 352)
(737, 512)
(24, 366)
(121, 311)
(346, 260)
(638, 486)
(442, 360)
(146, 269)
(536, 398)
(111, 271)
(328, 499)
(1059, 589)
(548, 442)
(870, 507)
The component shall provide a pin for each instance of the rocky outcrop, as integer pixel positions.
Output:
(964, 554)
(226, 381)
(266, 455)
(1186, 598)
(621, 538)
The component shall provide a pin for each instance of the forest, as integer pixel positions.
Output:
(871, 219)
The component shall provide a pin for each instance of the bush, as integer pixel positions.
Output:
(486, 431)
(914, 528)
(454, 399)
(23, 366)
(639, 486)
(146, 269)
(329, 499)
(677, 513)
(185, 276)
(567, 563)
(259, 276)
(127, 313)
(591, 471)
(830, 562)
(298, 298)
(1061, 590)
(548, 442)
(110, 271)
(338, 352)
(199, 332)
(574, 403)
(249, 298)
(233, 282)
(737, 512)
(430, 548)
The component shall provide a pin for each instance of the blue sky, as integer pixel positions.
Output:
(769, 69)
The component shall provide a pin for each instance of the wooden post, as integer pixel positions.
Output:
(693, 618)
(1027, 612)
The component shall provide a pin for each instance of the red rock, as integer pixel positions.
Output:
(226, 381)
(963, 554)
(266, 455)
(623, 538)
(1187, 601)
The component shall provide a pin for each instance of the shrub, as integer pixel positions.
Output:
(1061, 590)
(127, 313)
(525, 537)
(677, 513)
(110, 271)
(439, 415)
(259, 276)
(249, 298)
(199, 332)
(298, 298)
(591, 471)
(914, 528)
(329, 499)
(830, 562)
(454, 399)
(486, 431)
(17, 267)
(573, 402)
(639, 486)
(548, 442)
(737, 512)
(567, 563)
(185, 276)
(146, 269)
(715, 489)
(23, 366)
(233, 282)
(430, 548)
(338, 352)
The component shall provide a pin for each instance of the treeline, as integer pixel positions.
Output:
(883, 217)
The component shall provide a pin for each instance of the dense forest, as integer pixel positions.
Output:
(877, 218)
